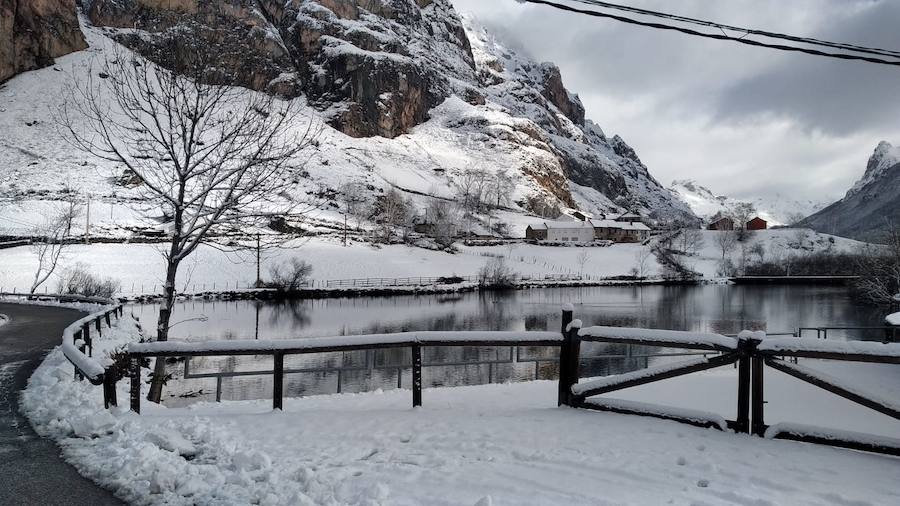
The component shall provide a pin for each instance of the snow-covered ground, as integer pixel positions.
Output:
(778, 244)
(139, 267)
(494, 444)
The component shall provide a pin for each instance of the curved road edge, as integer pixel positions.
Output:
(31, 468)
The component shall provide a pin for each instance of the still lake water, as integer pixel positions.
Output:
(725, 309)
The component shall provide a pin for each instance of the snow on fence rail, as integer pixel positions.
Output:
(77, 337)
(681, 339)
(752, 351)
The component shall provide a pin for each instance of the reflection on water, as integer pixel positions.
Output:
(717, 308)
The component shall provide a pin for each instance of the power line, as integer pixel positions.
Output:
(723, 36)
(746, 31)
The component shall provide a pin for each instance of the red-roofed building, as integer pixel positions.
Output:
(757, 224)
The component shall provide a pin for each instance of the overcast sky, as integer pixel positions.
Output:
(743, 121)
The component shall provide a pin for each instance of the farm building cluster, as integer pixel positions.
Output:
(625, 228)
(726, 223)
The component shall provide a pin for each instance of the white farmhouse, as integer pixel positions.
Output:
(561, 231)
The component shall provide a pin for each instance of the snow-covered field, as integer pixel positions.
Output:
(495, 444)
(139, 267)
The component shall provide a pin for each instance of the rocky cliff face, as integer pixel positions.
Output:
(34, 32)
(381, 68)
(870, 205)
(375, 67)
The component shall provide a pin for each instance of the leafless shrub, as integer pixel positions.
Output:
(496, 274)
(289, 276)
(78, 280)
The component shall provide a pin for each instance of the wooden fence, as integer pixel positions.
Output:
(751, 352)
(78, 338)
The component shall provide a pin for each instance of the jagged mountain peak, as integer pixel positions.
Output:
(885, 156)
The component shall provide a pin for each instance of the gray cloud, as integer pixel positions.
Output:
(742, 120)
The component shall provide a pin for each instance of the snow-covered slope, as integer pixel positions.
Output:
(870, 205)
(504, 113)
(777, 209)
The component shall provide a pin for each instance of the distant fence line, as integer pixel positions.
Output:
(324, 284)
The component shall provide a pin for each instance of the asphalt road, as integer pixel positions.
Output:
(31, 469)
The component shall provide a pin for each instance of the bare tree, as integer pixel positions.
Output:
(354, 198)
(582, 260)
(642, 261)
(500, 186)
(879, 268)
(726, 241)
(441, 219)
(741, 213)
(50, 241)
(690, 241)
(392, 213)
(217, 159)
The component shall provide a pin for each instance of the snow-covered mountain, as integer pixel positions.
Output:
(412, 94)
(870, 205)
(777, 209)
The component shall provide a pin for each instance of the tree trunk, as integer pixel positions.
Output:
(162, 330)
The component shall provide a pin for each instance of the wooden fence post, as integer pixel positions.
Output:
(86, 335)
(108, 322)
(135, 366)
(109, 389)
(278, 378)
(743, 401)
(568, 358)
(758, 425)
(417, 375)
(99, 326)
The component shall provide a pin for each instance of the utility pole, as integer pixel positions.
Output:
(87, 221)
(258, 262)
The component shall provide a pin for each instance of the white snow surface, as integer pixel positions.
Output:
(871, 348)
(502, 444)
(675, 337)
(422, 338)
(656, 409)
(776, 209)
(605, 381)
(893, 319)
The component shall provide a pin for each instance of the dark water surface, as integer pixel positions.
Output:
(725, 309)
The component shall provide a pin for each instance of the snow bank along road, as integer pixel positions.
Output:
(31, 470)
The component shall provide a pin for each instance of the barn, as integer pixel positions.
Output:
(722, 224)
(757, 224)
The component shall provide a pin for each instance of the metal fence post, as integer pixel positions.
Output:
(757, 398)
(278, 378)
(417, 375)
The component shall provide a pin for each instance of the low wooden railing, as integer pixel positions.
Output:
(77, 338)
(751, 351)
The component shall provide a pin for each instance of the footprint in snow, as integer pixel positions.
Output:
(681, 461)
(703, 483)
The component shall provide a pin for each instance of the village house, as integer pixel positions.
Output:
(724, 223)
(587, 231)
(757, 224)
(620, 231)
(561, 231)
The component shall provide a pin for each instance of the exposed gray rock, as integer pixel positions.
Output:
(34, 32)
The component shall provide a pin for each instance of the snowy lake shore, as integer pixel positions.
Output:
(139, 267)
(493, 444)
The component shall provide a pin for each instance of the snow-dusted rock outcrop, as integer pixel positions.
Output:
(872, 203)
(34, 32)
